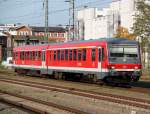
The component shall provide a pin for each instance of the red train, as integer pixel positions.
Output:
(111, 60)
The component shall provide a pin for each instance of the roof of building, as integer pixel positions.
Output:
(42, 29)
(50, 29)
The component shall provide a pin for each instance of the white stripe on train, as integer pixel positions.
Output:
(72, 68)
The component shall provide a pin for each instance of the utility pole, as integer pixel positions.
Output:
(46, 20)
(72, 18)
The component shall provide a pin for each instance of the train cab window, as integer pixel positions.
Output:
(66, 55)
(62, 55)
(74, 54)
(84, 55)
(79, 55)
(93, 54)
(70, 55)
(54, 55)
(58, 55)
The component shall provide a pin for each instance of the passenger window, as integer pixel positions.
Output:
(58, 55)
(70, 55)
(39, 55)
(30, 55)
(93, 54)
(62, 55)
(66, 55)
(84, 55)
(74, 54)
(54, 55)
(33, 54)
(79, 55)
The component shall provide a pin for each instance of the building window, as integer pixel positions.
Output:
(63, 35)
(55, 35)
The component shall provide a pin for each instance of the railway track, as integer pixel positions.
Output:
(129, 101)
(40, 102)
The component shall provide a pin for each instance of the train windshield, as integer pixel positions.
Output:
(123, 54)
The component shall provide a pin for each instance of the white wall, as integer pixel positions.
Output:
(96, 23)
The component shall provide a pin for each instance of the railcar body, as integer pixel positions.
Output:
(113, 59)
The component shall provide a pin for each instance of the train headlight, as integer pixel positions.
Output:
(136, 67)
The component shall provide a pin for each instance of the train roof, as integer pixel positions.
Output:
(107, 40)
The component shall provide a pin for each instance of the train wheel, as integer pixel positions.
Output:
(94, 78)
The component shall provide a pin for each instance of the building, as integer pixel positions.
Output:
(3, 46)
(93, 23)
(37, 35)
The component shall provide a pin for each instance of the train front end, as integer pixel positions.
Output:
(124, 61)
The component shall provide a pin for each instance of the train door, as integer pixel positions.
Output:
(43, 59)
(100, 59)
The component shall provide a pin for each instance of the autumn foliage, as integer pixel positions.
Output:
(123, 32)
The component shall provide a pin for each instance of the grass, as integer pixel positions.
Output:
(146, 72)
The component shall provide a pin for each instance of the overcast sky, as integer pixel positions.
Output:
(32, 12)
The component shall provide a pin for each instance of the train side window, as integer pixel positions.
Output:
(39, 55)
(36, 55)
(79, 55)
(62, 54)
(22, 55)
(70, 55)
(58, 55)
(93, 54)
(16, 55)
(66, 55)
(54, 55)
(84, 55)
(25, 55)
(33, 54)
(74, 54)
(30, 56)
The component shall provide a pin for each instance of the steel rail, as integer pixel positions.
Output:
(65, 108)
(141, 103)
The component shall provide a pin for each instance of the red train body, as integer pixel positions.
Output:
(111, 59)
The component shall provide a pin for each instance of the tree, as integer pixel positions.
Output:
(123, 32)
(141, 26)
